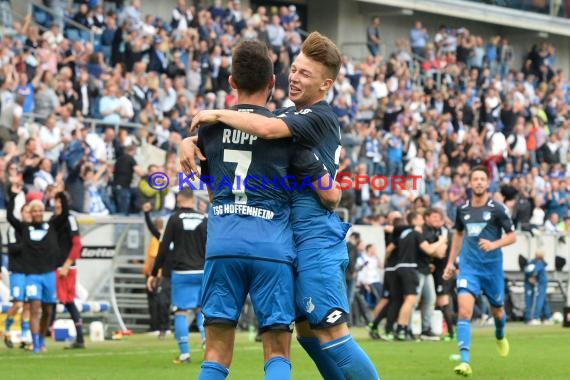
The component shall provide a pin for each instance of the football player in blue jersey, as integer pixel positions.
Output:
(322, 256)
(250, 247)
(478, 241)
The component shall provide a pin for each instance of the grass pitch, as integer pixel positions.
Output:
(536, 353)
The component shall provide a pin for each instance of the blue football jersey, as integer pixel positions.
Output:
(315, 127)
(486, 222)
(250, 214)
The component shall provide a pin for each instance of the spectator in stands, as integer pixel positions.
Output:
(52, 141)
(110, 105)
(133, 15)
(6, 14)
(10, 120)
(276, 34)
(395, 149)
(43, 177)
(94, 183)
(125, 168)
(373, 39)
(419, 39)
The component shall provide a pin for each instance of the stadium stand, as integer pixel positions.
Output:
(439, 103)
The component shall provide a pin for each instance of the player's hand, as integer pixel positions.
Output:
(449, 272)
(146, 207)
(188, 152)
(63, 271)
(151, 283)
(202, 118)
(486, 245)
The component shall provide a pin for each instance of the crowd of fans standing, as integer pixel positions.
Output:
(436, 104)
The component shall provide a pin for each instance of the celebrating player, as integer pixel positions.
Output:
(40, 250)
(17, 284)
(319, 233)
(69, 251)
(481, 219)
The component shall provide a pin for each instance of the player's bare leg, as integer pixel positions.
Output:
(406, 309)
(277, 354)
(219, 352)
(14, 309)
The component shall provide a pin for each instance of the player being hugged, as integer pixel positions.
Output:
(479, 222)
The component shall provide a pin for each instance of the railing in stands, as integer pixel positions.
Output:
(92, 123)
(21, 18)
(61, 19)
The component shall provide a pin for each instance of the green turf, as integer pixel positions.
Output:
(536, 353)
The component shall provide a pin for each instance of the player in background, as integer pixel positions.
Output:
(40, 251)
(158, 302)
(434, 227)
(427, 292)
(184, 238)
(322, 255)
(70, 247)
(411, 246)
(478, 241)
(392, 232)
(17, 285)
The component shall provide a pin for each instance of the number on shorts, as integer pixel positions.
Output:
(32, 291)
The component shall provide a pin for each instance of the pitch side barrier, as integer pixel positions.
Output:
(114, 249)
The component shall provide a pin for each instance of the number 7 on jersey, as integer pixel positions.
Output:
(243, 160)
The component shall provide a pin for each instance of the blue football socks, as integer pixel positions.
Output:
(181, 333)
(277, 368)
(464, 339)
(326, 366)
(213, 371)
(350, 358)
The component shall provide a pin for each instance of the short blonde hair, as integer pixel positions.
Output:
(322, 50)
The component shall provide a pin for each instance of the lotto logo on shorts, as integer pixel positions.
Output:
(334, 316)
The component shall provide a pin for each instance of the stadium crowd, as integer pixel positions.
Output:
(439, 104)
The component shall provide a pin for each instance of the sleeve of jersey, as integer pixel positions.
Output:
(505, 220)
(420, 237)
(164, 246)
(306, 163)
(307, 127)
(150, 225)
(76, 247)
(459, 226)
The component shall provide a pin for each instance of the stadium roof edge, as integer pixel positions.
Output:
(484, 13)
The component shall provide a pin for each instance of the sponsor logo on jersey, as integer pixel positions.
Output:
(486, 215)
(475, 229)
